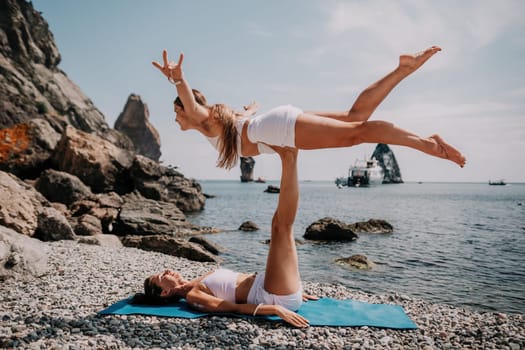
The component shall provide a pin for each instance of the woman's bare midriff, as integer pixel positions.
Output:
(244, 284)
(248, 148)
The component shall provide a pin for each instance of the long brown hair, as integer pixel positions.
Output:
(225, 116)
(228, 152)
(151, 295)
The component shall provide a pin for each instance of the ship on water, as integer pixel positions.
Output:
(363, 173)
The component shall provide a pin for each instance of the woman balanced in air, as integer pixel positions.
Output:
(275, 291)
(234, 134)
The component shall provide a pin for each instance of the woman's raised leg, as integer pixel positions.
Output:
(282, 270)
(370, 98)
(314, 132)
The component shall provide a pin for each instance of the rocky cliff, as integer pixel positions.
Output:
(64, 173)
(387, 160)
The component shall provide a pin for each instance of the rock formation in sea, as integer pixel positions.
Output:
(134, 122)
(64, 173)
(387, 160)
(247, 165)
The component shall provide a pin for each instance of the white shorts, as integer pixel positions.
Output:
(258, 295)
(276, 127)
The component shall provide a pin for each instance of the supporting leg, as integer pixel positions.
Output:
(282, 270)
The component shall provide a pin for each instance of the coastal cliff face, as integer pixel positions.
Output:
(53, 140)
(387, 160)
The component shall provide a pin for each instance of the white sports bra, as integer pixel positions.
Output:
(222, 283)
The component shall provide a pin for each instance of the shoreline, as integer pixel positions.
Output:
(59, 309)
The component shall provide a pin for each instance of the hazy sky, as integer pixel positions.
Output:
(315, 55)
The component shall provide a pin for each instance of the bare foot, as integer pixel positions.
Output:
(412, 62)
(446, 151)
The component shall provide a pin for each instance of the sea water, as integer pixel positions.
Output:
(456, 243)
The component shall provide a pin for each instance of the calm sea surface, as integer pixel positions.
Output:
(454, 243)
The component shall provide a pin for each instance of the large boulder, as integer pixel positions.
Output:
(134, 122)
(26, 148)
(247, 165)
(61, 187)
(21, 256)
(20, 204)
(158, 182)
(142, 216)
(53, 226)
(330, 229)
(170, 245)
(98, 163)
(387, 160)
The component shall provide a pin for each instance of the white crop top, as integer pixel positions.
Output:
(222, 283)
(239, 124)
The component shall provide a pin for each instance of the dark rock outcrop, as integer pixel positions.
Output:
(272, 189)
(158, 182)
(387, 160)
(247, 166)
(134, 122)
(248, 226)
(207, 244)
(171, 246)
(21, 256)
(61, 187)
(329, 229)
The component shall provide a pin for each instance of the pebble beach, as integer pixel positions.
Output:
(59, 311)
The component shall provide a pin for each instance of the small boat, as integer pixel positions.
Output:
(497, 183)
(365, 173)
(260, 180)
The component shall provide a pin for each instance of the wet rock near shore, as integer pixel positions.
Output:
(248, 226)
(330, 229)
(358, 261)
(272, 189)
(372, 226)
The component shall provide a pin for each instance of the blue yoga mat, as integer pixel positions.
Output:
(322, 312)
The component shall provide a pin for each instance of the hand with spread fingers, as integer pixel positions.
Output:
(172, 70)
(292, 318)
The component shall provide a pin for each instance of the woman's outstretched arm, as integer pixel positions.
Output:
(209, 303)
(173, 71)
